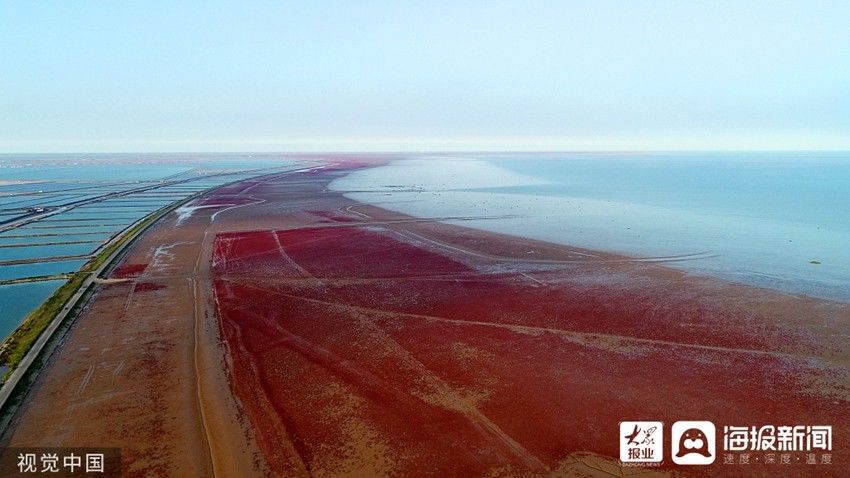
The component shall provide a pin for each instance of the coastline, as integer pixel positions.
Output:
(649, 339)
(128, 354)
(576, 202)
(27, 341)
(482, 335)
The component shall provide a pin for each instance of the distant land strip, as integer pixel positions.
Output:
(73, 226)
(36, 244)
(23, 280)
(34, 260)
(54, 234)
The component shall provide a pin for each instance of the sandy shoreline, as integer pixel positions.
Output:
(441, 349)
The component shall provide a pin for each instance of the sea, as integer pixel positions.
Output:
(779, 220)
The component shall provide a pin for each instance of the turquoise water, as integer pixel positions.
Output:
(61, 179)
(96, 215)
(776, 220)
(34, 252)
(12, 239)
(39, 269)
(72, 228)
(18, 300)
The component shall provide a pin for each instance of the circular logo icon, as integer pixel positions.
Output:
(693, 443)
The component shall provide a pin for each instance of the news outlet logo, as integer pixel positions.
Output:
(641, 442)
(693, 443)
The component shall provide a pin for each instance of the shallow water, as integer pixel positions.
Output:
(35, 252)
(18, 300)
(62, 179)
(39, 269)
(766, 219)
(72, 228)
(96, 214)
(6, 240)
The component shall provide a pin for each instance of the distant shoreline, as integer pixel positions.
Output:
(10, 182)
(727, 220)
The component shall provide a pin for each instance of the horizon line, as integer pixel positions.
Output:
(445, 151)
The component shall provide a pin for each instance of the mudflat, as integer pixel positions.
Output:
(276, 327)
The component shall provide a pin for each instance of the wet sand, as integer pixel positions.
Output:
(280, 328)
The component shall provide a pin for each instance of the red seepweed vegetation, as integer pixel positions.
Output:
(351, 342)
(126, 271)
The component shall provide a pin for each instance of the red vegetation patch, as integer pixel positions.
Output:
(147, 286)
(362, 252)
(363, 345)
(224, 197)
(128, 270)
(249, 253)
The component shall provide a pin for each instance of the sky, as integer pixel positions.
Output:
(423, 75)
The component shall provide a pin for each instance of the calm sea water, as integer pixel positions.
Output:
(777, 220)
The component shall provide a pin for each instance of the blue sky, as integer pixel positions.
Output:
(423, 75)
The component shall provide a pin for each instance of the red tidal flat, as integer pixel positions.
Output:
(353, 348)
(128, 270)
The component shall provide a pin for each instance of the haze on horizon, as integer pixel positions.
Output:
(381, 75)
